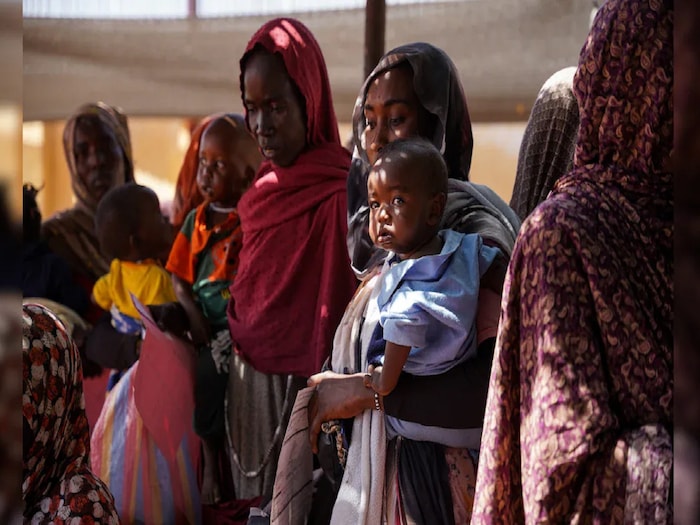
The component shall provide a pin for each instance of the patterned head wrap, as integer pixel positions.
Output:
(57, 482)
(624, 86)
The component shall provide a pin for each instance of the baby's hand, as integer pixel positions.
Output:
(371, 378)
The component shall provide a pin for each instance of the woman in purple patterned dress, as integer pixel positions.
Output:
(579, 411)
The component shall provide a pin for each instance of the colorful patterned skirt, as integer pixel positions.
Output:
(147, 487)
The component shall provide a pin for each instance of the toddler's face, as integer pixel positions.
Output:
(401, 208)
(222, 176)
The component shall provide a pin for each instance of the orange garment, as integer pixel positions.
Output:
(187, 196)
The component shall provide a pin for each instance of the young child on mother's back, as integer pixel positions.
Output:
(203, 262)
(427, 295)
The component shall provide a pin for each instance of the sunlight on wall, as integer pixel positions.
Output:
(495, 156)
(11, 156)
(159, 146)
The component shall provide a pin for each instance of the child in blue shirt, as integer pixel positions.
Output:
(427, 296)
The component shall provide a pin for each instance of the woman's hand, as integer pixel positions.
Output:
(171, 318)
(199, 328)
(337, 396)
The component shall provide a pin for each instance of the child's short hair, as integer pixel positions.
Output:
(420, 153)
(118, 217)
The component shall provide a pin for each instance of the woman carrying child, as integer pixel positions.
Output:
(203, 262)
(414, 91)
(123, 451)
(426, 299)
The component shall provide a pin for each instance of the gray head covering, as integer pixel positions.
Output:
(471, 208)
(547, 149)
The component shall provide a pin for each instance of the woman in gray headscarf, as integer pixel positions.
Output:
(547, 149)
(415, 90)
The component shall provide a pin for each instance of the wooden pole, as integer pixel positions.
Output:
(375, 24)
(191, 8)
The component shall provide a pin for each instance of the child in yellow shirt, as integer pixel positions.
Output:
(134, 233)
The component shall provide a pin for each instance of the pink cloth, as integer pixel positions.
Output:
(164, 388)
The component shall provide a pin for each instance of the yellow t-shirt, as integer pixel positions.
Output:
(147, 280)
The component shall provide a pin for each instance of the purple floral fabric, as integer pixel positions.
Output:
(584, 352)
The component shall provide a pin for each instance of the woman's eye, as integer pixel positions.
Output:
(396, 121)
(277, 108)
(371, 124)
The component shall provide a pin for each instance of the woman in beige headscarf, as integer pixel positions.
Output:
(98, 152)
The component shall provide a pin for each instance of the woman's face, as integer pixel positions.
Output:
(274, 112)
(99, 159)
(392, 110)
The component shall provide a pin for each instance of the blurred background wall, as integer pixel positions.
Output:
(168, 62)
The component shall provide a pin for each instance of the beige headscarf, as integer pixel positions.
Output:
(71, 233)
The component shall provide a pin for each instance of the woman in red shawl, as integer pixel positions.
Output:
(294, 277)
(579, 412)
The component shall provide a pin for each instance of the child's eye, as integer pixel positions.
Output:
(397, 201)
(220, 165)
(202, 161)
(374, 205)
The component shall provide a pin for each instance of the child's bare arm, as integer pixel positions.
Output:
(199, 327)
(384, 378)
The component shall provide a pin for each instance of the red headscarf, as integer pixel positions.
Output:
(187, 196)
(294, 277)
